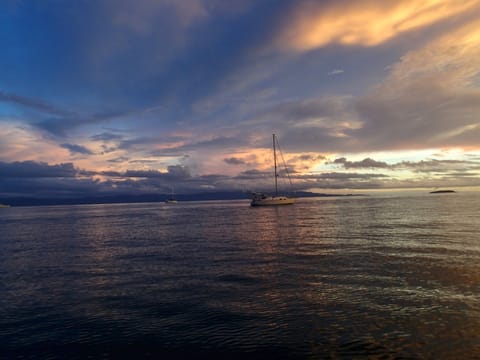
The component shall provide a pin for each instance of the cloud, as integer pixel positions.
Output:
(61, 126)
(365, 163)
(173, 173)
(32, 103)
(438, 166)
(429, 99)
(179, 171)
(312, 125)
(253, 174)
(147, 35)
(146, 69)
(51, 188)
(33, 169)
(141, 16)
(216, 143)
(64, 180)
(433, 167)
(234, 161)
(106, 136)
(38, 179)
(58, 121)
(308, 157)
(77, 149)
(314, 24)
(120, 159)
(336, 72)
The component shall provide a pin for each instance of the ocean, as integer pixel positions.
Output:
(382, 276)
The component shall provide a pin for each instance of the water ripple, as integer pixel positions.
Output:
(372, 277)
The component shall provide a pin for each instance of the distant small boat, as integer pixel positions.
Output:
(4, 206)
(260, 199)
(171, 199)
(442, 191)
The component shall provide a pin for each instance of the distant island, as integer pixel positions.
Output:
(442, 191)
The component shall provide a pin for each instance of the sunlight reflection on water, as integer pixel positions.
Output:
(345, 277)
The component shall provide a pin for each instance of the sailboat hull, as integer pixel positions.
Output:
(260, 199)
(272, 200)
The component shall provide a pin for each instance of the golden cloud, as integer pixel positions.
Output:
(453, 58)
(431, 96)
(363, 23)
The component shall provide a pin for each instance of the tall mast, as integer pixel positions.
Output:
(275, 164)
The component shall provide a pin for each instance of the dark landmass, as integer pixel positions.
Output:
(144, 198)
(442, 191)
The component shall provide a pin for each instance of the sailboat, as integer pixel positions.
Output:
(260, 199)
(171, 199)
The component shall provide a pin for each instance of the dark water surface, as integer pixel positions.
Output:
(370, 277)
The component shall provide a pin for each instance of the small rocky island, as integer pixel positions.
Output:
(442, 191)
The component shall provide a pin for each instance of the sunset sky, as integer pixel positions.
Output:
(138, 96)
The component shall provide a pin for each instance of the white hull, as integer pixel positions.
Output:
(272, 200)
(260, 199)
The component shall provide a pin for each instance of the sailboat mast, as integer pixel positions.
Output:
(275, 164)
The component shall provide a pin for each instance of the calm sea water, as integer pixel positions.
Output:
(353, 277)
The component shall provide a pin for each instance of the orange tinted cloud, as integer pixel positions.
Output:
(453, 58)
(21, 144)
(430, 98)
(363, 23)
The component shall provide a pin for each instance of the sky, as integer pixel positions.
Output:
(105, 97)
